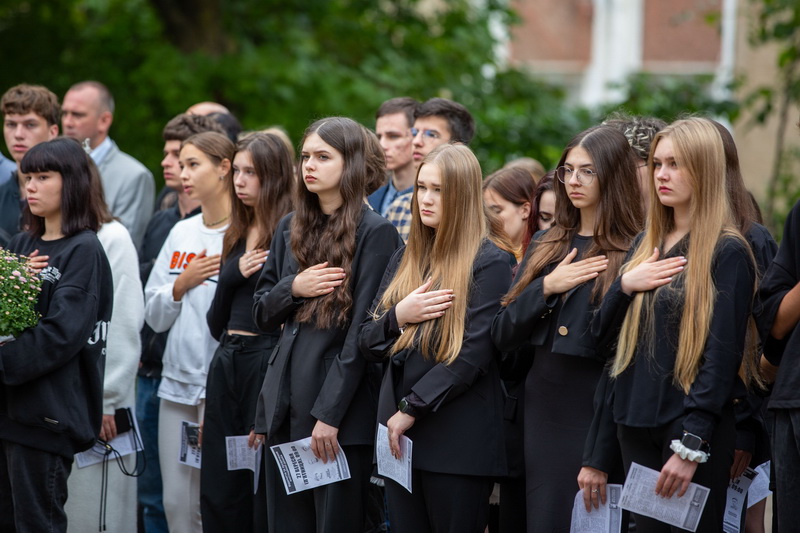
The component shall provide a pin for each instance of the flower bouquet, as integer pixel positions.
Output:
(19, 291)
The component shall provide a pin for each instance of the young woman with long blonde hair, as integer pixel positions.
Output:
(681, 307)
(430, 325)
(546, 315)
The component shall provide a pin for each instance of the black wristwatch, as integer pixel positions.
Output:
(406, 408)
(693, 442)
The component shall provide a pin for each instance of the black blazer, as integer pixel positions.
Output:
(529, 318)
(782, 276)
(644, 394)
(462, 432)
(318, 374)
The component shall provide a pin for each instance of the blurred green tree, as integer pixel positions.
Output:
(286, 62)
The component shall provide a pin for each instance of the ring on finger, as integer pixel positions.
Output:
(595, 491)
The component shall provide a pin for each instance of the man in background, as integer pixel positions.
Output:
(437, 121)
(30, 117)
(87, 114)
(393, 123)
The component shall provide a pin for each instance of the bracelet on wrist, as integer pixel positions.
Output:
(685, 453)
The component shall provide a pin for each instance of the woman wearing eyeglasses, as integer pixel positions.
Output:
(546, 314)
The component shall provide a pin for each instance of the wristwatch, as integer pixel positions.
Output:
(693, 442)
(406, 408)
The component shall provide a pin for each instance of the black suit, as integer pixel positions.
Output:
(460, 436)
(318, 374)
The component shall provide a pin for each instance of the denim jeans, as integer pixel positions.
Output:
(149, 487)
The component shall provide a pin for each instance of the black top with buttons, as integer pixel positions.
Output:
(530, 317)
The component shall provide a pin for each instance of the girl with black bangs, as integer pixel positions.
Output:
(546, 314)
(325, 264)
(51, 376)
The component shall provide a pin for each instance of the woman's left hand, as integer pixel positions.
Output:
(675, 476)
(398, 424)
(37, 262)
(324, 441)
(252, 261)
(593, 484)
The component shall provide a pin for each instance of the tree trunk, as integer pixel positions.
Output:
(194, 25)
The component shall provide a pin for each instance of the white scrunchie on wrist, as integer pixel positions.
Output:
(685, 453)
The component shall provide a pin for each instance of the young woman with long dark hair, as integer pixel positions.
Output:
(681, 307)
(547, 313)
(430, 325)
(51, 376)
(260, 194)
(324, 267)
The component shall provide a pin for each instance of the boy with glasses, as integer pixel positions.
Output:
(437, 121)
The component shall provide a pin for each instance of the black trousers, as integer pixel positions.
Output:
(650, 447)
(439, 503)
(336, 508)
(33, 489)
(227, 502)
(785, 467)
(512, 505)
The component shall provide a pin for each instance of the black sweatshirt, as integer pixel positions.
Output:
(51, 376)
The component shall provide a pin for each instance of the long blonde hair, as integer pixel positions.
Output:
(698, 150)
(445, 254)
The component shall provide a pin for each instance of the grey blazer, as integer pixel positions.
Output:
(129, 189)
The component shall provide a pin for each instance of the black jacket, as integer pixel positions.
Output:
(10, 210)
(528, 319)
(649, 382)
(462, 432)
(51, 377)
(781, 277)
(318, 374)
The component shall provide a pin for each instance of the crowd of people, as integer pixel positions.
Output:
(533, 333)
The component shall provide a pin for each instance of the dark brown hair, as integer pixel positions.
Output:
(459, 119)
(402, 104)
(184, 126)
(618, 219)
(317, 237)
(515, 185)
(275, 170)
(375, 159)
(23, 99)
(742, 208)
